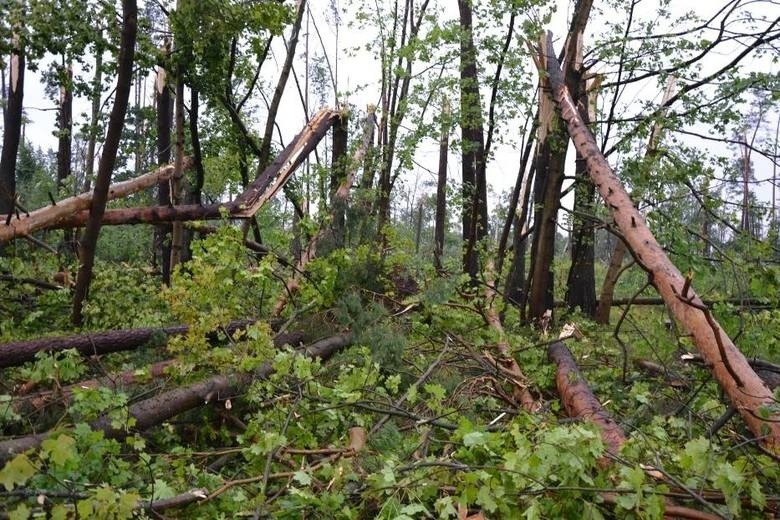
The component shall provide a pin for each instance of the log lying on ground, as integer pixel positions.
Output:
(745, 389)
(768, 372)
(579, 401)
(162, 407)
(259, 191)
(507, 361)
(741, 302)
(127, 378)
(20, 352)
(53, 216)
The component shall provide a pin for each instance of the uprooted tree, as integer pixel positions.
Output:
(301, 312)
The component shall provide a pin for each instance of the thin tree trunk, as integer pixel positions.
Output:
(197, 156)
(164, 125)
(337, 175)
(441, 189)
(12, 129)
(614, 270)
(473, 154)
(265, 145)
(739, 381)
(418, 227)
(581, 282)
(65, 126)
(610, 280)
(97, 90)
(177, 230)
(64, 140)
(107, 159)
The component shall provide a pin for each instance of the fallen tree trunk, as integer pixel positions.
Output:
(260, 191)
(578, 399)
(742, 302)
(745, 389)
(126, 378)
(97, 343)
(60, 213)
(158, 409)
(508, 362)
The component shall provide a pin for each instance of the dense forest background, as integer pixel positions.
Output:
(394, 259)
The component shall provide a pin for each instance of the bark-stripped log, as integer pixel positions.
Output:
(260, 191)
(97, 343)
(162, 407)
(578, 399)
(739, 381)
(54, 216)
(508, 362)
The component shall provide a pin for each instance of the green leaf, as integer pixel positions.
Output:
(302, 478)
(16, 472)
(59, 450)
(22, 512)
(475, 439)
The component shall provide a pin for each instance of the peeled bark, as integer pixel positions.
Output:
(177, 181)
(260, 191)
(107, 159)
(749, 395)
(162, 407)
(579, 400)
(59, 215)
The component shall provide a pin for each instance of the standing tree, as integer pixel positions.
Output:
(107, 159)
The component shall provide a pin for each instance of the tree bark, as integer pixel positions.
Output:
(747, 392)
(337, 176)
(65, 126)
(97, 90)
(162, 407)
(440, 225)
(475, 217)
(73, 212)
(551, 161)
(164, 125)
(578, 399)
(581, 281)
(107, 159)
(12, 129)
(177, 181)
(610, 281)
(125, 379)
(95, 343)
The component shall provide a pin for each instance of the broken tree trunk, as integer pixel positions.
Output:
(745, 389)
(98, 343)
(261, 190)
(162, 407)
(507, 361)
(121, 380)
(57, 215)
